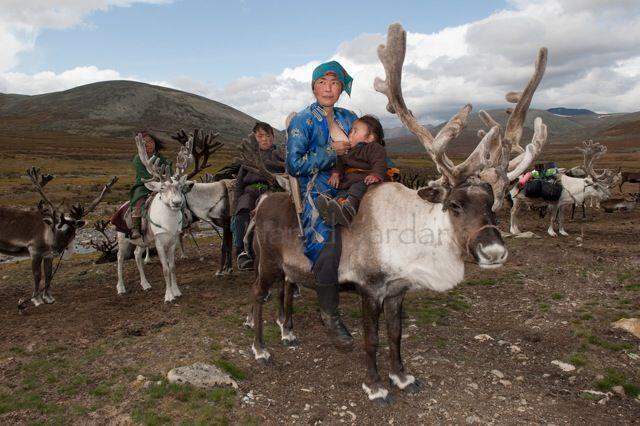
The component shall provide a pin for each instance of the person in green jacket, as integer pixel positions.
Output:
(139, 192)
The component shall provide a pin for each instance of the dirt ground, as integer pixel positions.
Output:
(97, 358)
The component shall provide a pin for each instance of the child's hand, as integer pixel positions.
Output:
(334, 180)
(371, 179)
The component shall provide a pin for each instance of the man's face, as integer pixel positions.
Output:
(265, 139)
(327, 90)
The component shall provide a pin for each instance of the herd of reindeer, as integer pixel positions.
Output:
(455, 214)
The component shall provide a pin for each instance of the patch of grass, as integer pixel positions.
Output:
(578, 359)
(272, 334)
(101, 390)
(480, 282)
(17, 350)
(586, 317)
(441, 342)
(632, 287)
(354, 313)
(557, 296)
(544, 307)
(626, 276)
(605, 344)
(232, 369)
(26, 401)
(196, 406)
(457, 304)
(616, 378)
(93, 353)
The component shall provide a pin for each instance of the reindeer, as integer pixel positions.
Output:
(205, 201)
(574, 190)
(413, 239)
(42, 234)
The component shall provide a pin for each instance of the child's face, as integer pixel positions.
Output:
(360, 133)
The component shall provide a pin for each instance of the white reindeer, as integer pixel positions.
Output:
(574, 190)
(164, 222)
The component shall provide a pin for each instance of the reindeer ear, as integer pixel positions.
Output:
(187, 187)
(433, 194)
(153, 186)
(47, 220)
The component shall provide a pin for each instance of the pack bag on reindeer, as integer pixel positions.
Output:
(456, 214)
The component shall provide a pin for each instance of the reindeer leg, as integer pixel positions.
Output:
(514, 216)
(147, 256)
(554, 214)
(123, 247)
(561, 222)
(36, 269)
(166, 270)
(183, 255)
(372, 384)
(172, 267)
(137, 253)
(48, 275)
(393, 316)
(227, 247)
(285, 317)
(258, 292)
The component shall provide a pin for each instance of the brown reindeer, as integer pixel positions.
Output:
(401, 239)
(42, 234)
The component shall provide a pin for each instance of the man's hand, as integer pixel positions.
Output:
(341, 147)
(371, 179)
(334, 180)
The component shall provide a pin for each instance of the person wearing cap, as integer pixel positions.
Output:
(139, 192)
(315, 137)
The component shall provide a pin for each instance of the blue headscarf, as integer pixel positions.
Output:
(336, 68)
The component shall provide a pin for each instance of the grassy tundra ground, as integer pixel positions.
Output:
(79, 360)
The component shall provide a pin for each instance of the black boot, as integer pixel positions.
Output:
(342, 210)
(322, 204)
(136, 227)
(328, 299)
(244, 261)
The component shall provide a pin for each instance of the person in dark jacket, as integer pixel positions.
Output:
(249, 186)
(365, 164)
(139, 192)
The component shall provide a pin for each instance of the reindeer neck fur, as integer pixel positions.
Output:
(408, 238)
(208, 200)
(163, 219)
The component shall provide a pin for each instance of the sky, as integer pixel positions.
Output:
(258, 55)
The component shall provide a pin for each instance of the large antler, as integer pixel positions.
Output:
(107, 245)
(593, 151)
(39, 181)
(522, 100)
(78, 211)
(250, 158)
(490, 159)
(203, 145)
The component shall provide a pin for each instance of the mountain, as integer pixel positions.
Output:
(619, 131)
(570, 112)
(118, 109)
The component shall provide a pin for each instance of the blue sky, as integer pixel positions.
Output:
(257, 56)
(219, 41)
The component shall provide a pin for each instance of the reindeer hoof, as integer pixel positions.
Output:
(291, 343)
(383, 402)
(264, 362)
(413, 388)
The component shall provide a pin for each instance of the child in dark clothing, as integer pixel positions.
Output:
(363, 165)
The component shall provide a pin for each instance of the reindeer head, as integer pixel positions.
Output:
(63, 228)
(472, 191)
(598, 184)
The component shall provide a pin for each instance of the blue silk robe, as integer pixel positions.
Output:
(310, 158)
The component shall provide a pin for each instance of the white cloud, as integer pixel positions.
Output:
(594, 62)
(22, 20)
